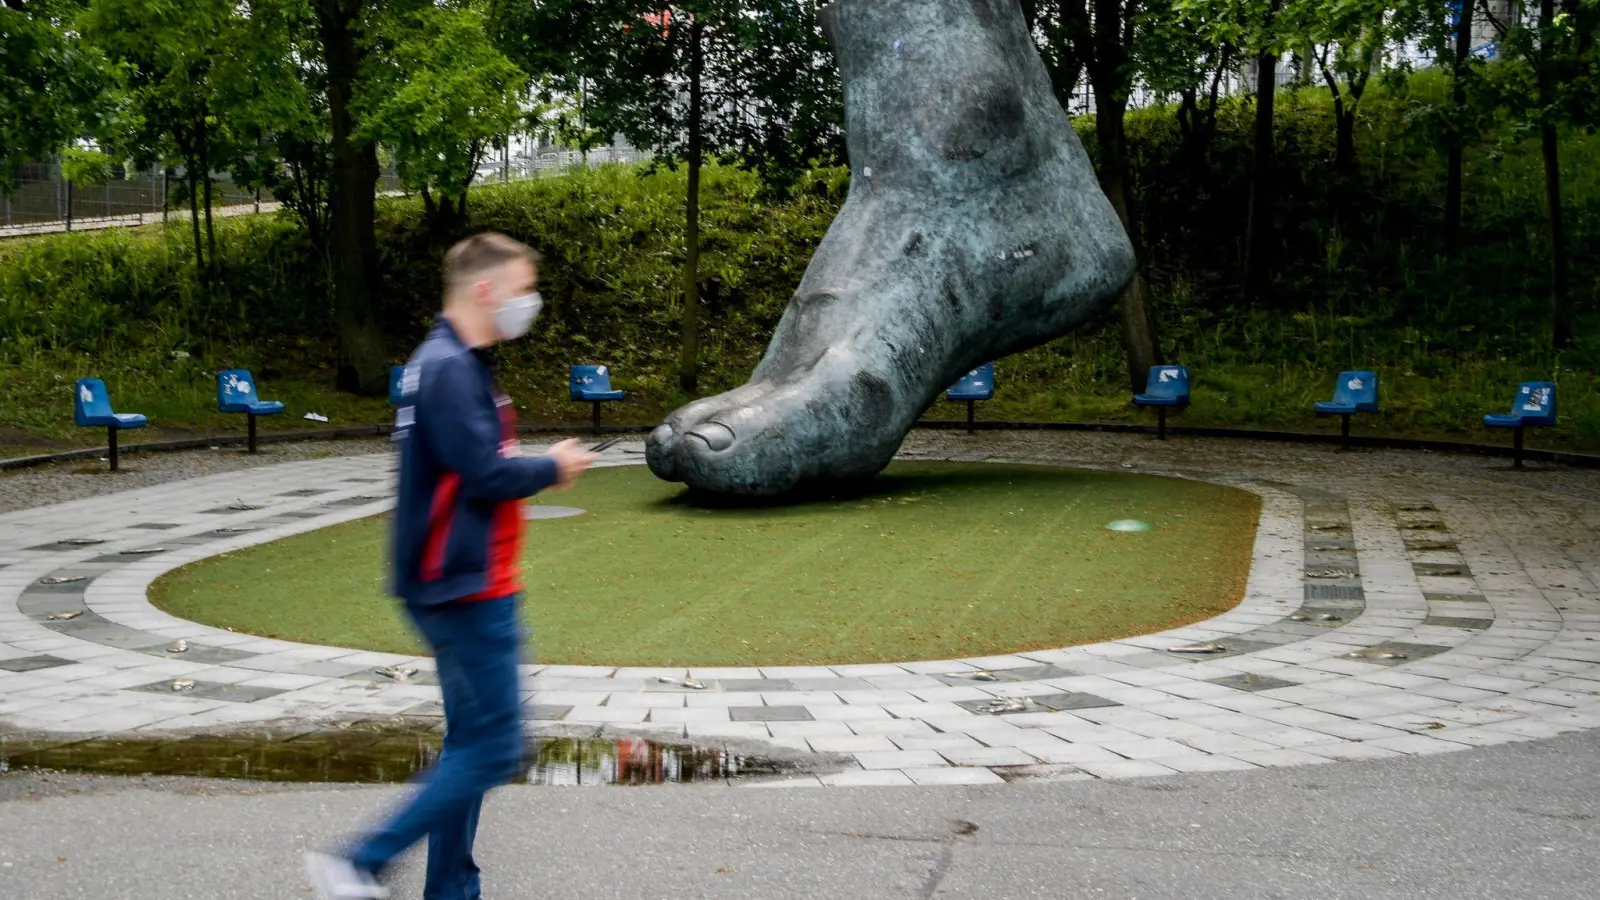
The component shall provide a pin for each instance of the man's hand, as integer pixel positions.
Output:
(571, 461)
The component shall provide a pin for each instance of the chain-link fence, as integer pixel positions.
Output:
(47, 202)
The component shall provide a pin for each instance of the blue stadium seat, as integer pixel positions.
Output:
(237, 393)
(396, 373)
(1355, 392)
(1166, 387)
(592, 384)
(1534, 404)
(91, 408)
(972, 387)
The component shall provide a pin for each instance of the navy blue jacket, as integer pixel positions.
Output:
(458, 515)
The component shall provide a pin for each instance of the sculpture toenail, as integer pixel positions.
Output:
(716, 435)
(662, 434)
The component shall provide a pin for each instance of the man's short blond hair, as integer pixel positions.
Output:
(476, 255)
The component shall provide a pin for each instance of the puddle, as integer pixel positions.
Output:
(383, 755)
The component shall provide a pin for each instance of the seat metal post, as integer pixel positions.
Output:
(970, 406)
(252, 432)
(596, 418)
(111, 442)
(1161, 423)
(1517, 456)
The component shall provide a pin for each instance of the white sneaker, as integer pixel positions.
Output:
(336, 878)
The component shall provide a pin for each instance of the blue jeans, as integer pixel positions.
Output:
(477, 645)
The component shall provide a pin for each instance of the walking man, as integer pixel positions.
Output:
(456, 541)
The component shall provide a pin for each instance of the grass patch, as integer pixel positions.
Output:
(935, 560)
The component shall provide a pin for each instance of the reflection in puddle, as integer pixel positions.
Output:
(380, 755)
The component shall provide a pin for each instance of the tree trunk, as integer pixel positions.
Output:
(1258, 228)
(352, 202)
(194, 220)
(205, 180)
(689, 361)
(1109, 75)
(1344, 153)
(1550, 147)
(1455, 137)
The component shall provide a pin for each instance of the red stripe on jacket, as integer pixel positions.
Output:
(504, 574)
(441, 514)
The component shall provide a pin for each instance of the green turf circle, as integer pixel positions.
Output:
(936, 560)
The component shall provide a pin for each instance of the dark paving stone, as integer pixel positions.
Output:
(128, 556)
(211, 690)
(1315, 592)
(358, 500)
(545, 712)
(769, 713)
(364, 480)
(223, 511)
(1432, 597)
(155, 526)
(1325, 543)
(745, 685)
(1249, 681)
(1036, 673)
(1287, 632)
(60, 547)
(1313, 617)
(33, 663)
(1331, 559)
(1414, 506)
(830, 684)
(42, 606)
(1022, 673)
(1422, 524)
(1428, 545)
(1457, 622)
(99, 631)
(204, 537)
(305, 492)
(1070, 701)
(299, 514)
(198, 653)
(423, 677)
(89, 621)
(1234, 646)
(70, 588)
(1410, 652)
(1441, 570)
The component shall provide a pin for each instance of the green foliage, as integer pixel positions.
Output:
(438, 96)
(1362, 281)
(51, 83)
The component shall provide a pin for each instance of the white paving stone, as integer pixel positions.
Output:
(1534, 673)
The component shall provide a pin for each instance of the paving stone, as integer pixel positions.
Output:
(988, 756)
(33, 663)
(1250, 682)
(735, 685)
(899, 759)
(951, 775)
(864, 778)
(851, 744)
(769, 713)
(1200, 762)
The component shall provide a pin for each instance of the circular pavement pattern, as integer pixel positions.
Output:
(1398, 604)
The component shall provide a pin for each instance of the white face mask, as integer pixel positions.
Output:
(516, 315)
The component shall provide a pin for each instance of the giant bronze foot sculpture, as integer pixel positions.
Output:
(974, 228)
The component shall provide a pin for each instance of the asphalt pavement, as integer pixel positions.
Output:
(1517, 821)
